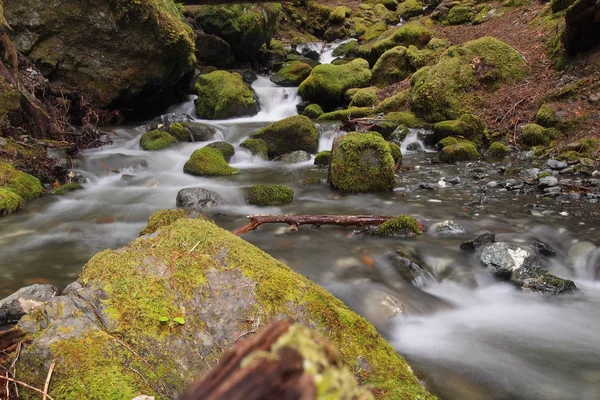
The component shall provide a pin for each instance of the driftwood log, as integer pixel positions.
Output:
(262, 379)
(294, 221)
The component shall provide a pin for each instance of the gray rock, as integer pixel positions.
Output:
(410, 271)
(198, 198)
(538, 280)
(76, 177)
(492, 184)
(525, 156)
(530, 173)
(548, 182)
(447, 228)
(482, 240)
(414, 146)
(24, 300)
(553, 190)
(200, 132)
(295, 157)
(454, 181)
(163, 122)
(502, 259)
(127, 177)
(58, 156)
(556, 164)
(427, 186)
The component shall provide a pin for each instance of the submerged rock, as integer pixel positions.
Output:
(447, 228)
(198, 198)
(24, 300)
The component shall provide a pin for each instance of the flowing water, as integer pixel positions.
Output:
(468, 336)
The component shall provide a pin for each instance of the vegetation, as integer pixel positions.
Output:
(269, 195)
(208, 162)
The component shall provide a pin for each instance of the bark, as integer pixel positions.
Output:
(316, 220)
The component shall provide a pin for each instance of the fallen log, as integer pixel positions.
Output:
(294, 221)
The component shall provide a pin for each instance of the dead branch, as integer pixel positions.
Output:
(316, 220)
(26, 385)
(47, 384)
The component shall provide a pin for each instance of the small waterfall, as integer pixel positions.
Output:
(325, 50)
(413, 142)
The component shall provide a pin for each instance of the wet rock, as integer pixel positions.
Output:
(410, 271)
(76, 177)
(502, 259)
(288, 135)
(164, 122)
(447, 228)
(454, 181)
(538, 280)
(544, 249)
(414, 146)
(295, 157)
(556, 164)
(24, 300)
(530, 173)
(484, 239)
(198, 198)
(58, 156)
(548, 182)
(427, 186)
(212, 50)
(127, 177)
(553, 190)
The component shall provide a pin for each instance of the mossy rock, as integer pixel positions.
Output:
(405, 118)
(339, 14)
(9, 201)
(323, 158)
(313, 111)
(352, 112)
(156, 140)
(498, 149)
(548, 117)
(348, 49)
(288, 135)
(372, 33)
(205, 277)
(10, 98)
(470, 126)
(223, 95)
(67, 188)
(257, 147)
(396, 153)
(391, 5)
(534, 135)
(410, 8)
(450, 140)
(269, 195)
(224, 148)
(162, 219)
(208, 162)
(395, 102)
(464, 151)
(570, 155)
(362, 162)
(245, 27)
(328, 83)
(405, 35)
(365, 97)
(391, 67)
(446, 90)
(292, 74)
(459, 15)
(26, 186)
(180, 132)
(400, 225)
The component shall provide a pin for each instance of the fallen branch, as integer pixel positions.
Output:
(47, 384)
(317, 220)
(26, 385)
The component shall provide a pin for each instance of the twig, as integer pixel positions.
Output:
(513, 108)
(26, 385)
(47, 384)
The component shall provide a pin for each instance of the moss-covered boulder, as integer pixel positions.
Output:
(224, 148)
(9, 201)
(405, 35)
(208, 162)
(400, 225)
(191, 288)
(117, 52)
(313, 111)
(498, 149)
(245, 27)
(469, 126)
(410, 8)
(393, 103)
(582, 30)
(391, 67)
(223, 95)
(288, 135)
(365, 97)
(26, 186)
(328, 83)
(463, 151)
(269, 195)
(157, 140)
(348, 49)
(459, 15)
(257, 147)
(292, 74)
(447, 89)
(180, 132)
(536, 135)
(362, 162)
(323, 158)
(396, 153)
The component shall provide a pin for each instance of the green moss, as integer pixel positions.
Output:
(156, 140)
(67, 188)
(179, 132)
(393, 103)
(328, 83)
(269, 195)
(288, 135)
(224, 95)
(365, 97)
(352, 112)
(208, 162)
(257, 147)
(9, 201)
(544, 174)
(292, 74)
(459, 15)
(224, 148)
(348, 49)
(339, 14)
(161, 219)
(362, 162)
(323, 158)
(405, 35)
(484, 14)
(373, 33)
(405, 118)
(391, 67)
(534, 135)
(10, 98)
(313, 111)
(449, 128)
(396, 152)
(418, 59)
(449, 141)
(498, 149)
(409, 9)
(400, 225)
(23, 185)
(570, 155)
(546, 116)
(464, 151)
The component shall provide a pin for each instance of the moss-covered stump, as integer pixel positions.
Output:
(446, 90)
(245, 27)
(391, 67)
(223, 95)
(463, 151)
(257, 147)
(157, 140)
(116, 52)
(406, 35)
(288, 135)
(313, 111)
(67, 188)
(362, 162)
(224, 148)
(400, 225)
(208, 162)
(323, 158)
(125, 327)
(269, 195)
(292, 74)
(328, 83)
(23, 185)
(535, 135)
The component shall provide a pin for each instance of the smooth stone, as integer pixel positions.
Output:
(502, 259)
(198, 198)
(164, 121)
(548, 182)
(556, 164)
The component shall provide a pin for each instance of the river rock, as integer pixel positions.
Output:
(289, 135)
(198, 198)
(548, 182)
(223, 95)
(538, 280)
(24, 300)
(191, 288)
(484, 239)
(409, 270)
(164, 121)
(212, 50)
(502, 259)
(295, 157)
(556, 164)
(447, 228)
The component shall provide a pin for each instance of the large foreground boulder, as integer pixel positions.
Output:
(288, 135)
(222, 95)
(152, 317)
(116, 52)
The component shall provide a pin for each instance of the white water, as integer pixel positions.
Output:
(413, 139)
(325, 50)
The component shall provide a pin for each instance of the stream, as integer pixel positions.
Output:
(491, 342)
